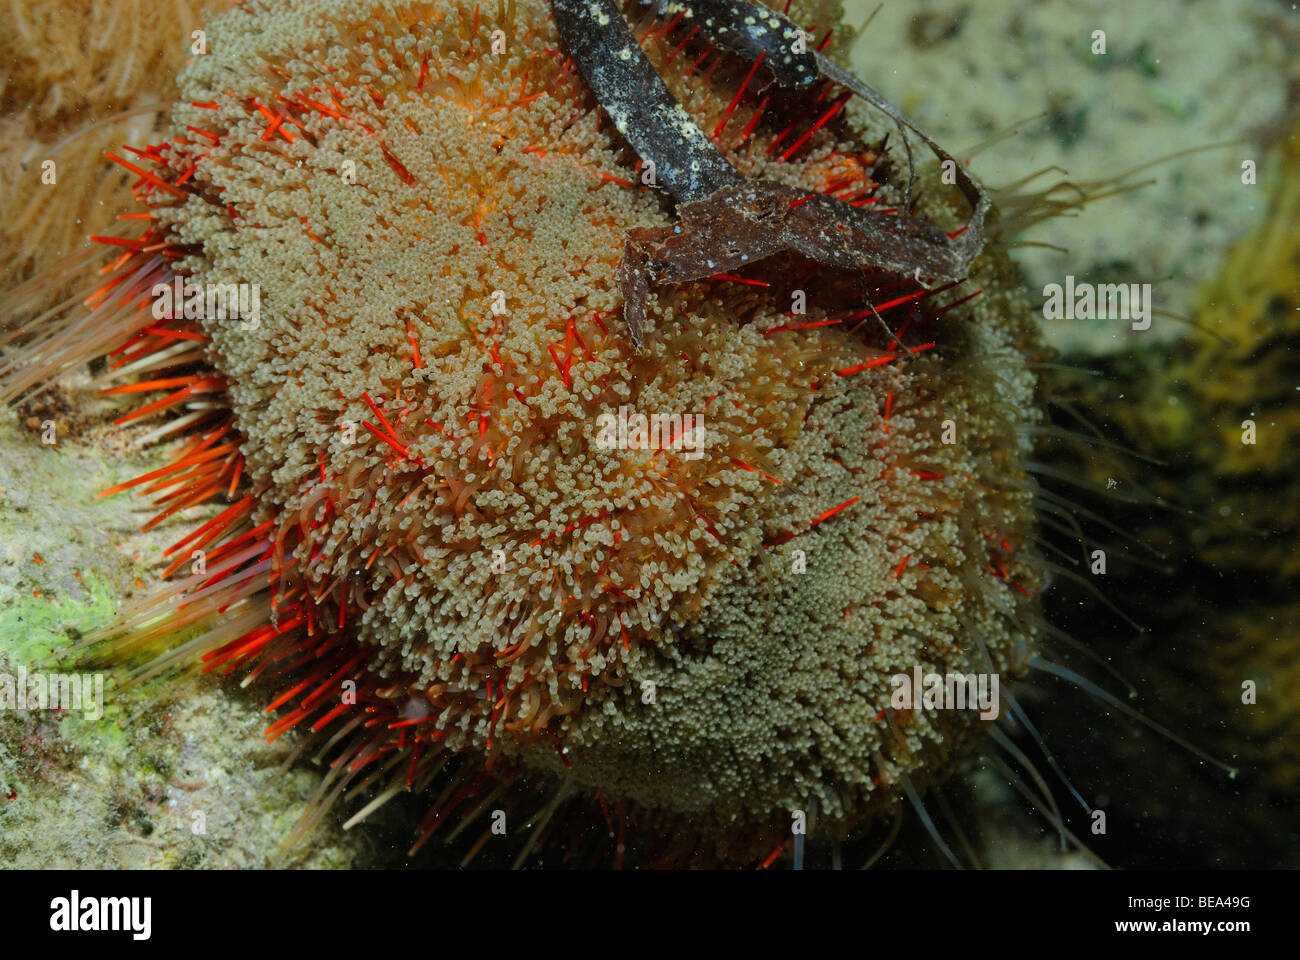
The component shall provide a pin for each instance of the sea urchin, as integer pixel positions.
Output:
(425, 537)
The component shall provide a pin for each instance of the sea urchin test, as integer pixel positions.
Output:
(426, 543)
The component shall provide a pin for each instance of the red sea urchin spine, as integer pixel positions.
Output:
(231, 555)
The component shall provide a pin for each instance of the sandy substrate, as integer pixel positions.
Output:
(1175, 76)
(134, 787)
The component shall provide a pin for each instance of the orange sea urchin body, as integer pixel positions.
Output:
(431, 210)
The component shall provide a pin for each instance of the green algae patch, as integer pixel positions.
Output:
(34, 629)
